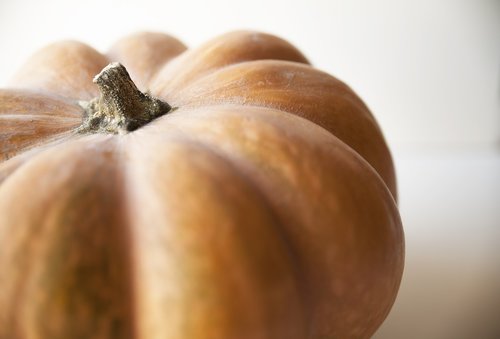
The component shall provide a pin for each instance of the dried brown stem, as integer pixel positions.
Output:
(121, 108)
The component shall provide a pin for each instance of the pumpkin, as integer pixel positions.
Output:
(226, 191)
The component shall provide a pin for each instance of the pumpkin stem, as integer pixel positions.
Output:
(121, 108)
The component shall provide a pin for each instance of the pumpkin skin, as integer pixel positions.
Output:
(263, 206)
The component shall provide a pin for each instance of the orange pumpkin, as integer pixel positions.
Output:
(233, 192)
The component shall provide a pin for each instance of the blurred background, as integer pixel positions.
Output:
(429, 71)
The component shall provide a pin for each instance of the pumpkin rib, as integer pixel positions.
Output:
(8, 167)
(230, 48)
(247, 172)
(209, 126)
(260, 68)
(226, 227)
(144, 53)
(30, 119)
(52, 250)
(19, 144)
(11, 164)
(25, 102)
(65, 68)
(328, 102)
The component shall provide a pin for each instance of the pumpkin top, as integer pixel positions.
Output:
(240, 68)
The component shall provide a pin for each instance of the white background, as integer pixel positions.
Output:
(429, 70)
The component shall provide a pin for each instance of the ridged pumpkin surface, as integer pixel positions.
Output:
(261, 207)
